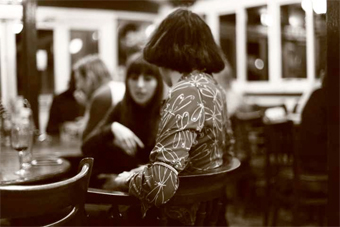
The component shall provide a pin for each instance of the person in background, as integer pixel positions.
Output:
(124, 139)
(194, 133)
(2, 108)
(313, 132)
(128, 45)
(64, 108)
(96, 88)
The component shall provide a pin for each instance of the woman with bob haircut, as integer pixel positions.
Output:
(194, 134)
(124, 138)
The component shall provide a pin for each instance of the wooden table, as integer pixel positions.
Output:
(51, 163)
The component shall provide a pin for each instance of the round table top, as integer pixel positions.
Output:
(48, 163)
(43, 169)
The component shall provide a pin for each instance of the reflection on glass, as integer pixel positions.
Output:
(293, 30)
(132, 36)
(320, 31)
(257, 43)
(83, 43)
(228, 38)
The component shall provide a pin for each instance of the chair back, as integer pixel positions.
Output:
(248, 132)
(206, 189)
(279, 143)
(39, 201)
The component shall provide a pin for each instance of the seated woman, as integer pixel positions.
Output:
(65, 107)
(96, 89)
(125, 137)
(313, 133)
(194, 133)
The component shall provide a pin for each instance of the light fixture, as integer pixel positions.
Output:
(75, 46)
(17, 27)
(266, 19)
(259, 64)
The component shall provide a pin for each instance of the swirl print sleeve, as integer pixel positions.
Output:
(182, 119)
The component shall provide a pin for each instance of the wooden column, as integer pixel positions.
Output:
(332, 88)
(30, 74)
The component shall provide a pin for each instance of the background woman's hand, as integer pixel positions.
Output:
(125, 138)
(80, 97)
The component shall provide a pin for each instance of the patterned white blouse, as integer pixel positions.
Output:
(194, 135)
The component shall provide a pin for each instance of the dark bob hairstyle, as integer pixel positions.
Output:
(136, 65)
(183, 42)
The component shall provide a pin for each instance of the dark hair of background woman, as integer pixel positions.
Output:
(132, 113)
(72, 82)
(183, 42)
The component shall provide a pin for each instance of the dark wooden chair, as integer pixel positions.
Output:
(55, 204)
(286, 185)
(205, 189)
(249, 148)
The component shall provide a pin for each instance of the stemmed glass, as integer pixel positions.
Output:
(22, 132)
(21, 136)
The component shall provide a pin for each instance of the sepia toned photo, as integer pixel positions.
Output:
(169, 113)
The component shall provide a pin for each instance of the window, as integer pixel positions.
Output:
(83, 43)
(228, 39)
(293, 36)
(257, 44)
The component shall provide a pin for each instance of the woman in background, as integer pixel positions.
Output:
(194, 133)
(95, 88)
(64, 108)
(124, 139)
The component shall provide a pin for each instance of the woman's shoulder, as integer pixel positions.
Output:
(102, 91)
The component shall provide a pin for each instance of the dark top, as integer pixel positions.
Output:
(64, 108)
(112, 159)
(313, 132)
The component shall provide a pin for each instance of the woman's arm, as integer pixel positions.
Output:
(101, 135)
(182, 119)
(100, 104)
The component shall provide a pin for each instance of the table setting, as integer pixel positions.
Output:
(21, 160)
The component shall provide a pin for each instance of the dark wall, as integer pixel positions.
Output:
(332, 87)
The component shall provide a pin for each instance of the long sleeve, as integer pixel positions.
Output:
(182, 120)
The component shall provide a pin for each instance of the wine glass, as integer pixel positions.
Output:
(21, 135)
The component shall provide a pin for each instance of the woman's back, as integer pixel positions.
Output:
(197, 103)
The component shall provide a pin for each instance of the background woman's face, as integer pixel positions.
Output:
(83, 84)
(142, 88)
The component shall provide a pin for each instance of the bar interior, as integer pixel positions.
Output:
(92, 134)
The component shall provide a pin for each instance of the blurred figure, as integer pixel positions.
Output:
(194, 133)
(128, 42)
(95, 88)
(2, 108)
(124, 139)
(64, 108)
(313, 132)
(308, 92)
